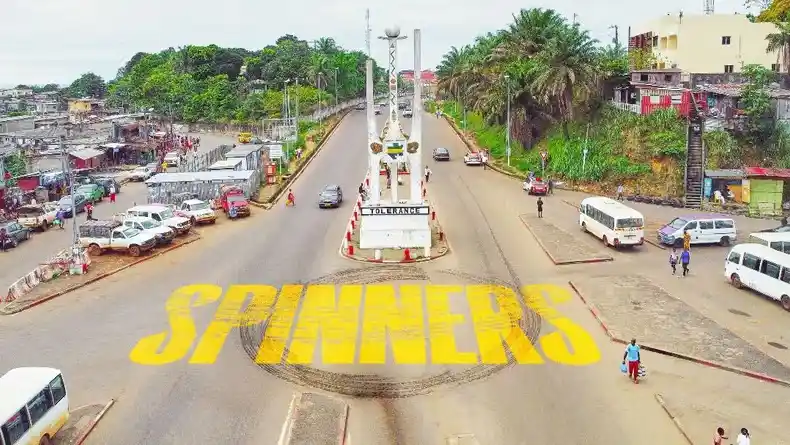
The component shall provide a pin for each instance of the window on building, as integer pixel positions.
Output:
(667, 77)
(655, 40)
(725, 40)
(643, 78)
(775, 67)
(729, 68)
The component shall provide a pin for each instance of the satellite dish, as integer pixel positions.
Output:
(392, 32)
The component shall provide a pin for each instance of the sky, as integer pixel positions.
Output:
(55, 41)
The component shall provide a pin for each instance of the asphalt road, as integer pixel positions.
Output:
(89, 333)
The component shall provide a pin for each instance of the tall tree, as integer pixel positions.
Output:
(88, 85)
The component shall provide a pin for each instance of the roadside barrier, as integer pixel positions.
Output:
(58, 265)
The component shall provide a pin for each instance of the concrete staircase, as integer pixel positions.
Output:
(695, 157)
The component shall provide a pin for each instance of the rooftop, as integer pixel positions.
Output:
(17, 386)
(16, 118)
(734, 90)
(209, 176)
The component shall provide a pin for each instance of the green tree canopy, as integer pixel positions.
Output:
(215, 84)
(88, 85)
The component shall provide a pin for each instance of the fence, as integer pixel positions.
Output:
(202, 161)
(634, 108)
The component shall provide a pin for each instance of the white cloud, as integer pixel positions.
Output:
(46, 41)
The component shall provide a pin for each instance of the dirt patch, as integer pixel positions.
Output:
(101, 266)
(317, 419)
(79, 421)
(631, 306)
(561, 246)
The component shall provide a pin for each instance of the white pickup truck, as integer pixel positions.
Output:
(99, 236)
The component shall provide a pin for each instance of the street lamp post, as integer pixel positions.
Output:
(320, 117)
(507, 135)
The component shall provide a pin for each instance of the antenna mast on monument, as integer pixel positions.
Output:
(367, 31)
(708, 7)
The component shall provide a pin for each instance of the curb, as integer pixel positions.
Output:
(647, 240)
(674, 419)
(560, 262)
(712, 364)
(273, 200)
(471, 149)
(94, 422)
(344, 253)
(98, 277)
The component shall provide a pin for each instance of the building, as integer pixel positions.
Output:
(18, 123)
(46, 107)
(84, 106)
(16, 93)
(715, 43)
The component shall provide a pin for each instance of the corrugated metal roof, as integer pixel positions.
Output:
(209, 176)
(734, 90)
(725, 173)
(779, 173)
(243, 151)
(86, 153)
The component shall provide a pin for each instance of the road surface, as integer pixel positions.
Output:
(89, 333)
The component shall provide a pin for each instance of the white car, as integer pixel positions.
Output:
(37, 216)
(473, 159)
(198, 212)
(163, 214)
(171, 159)
(141, 174)
(407, 113)
(162, 233)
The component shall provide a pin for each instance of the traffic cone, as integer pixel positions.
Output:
(350, 249)
(433, 215)
(441, 236)
(348, 235)
(407, 255)
(353, 226)
(356, 216)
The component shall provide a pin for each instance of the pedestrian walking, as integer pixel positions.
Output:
(673, 260)
(428, 173)
(744, 438)
(484, 158)
(620, 192)
(719, 436)
(685, 259)
(540, 207)
(89, 211)
(112, 192)
(60, 218)
(551, 186)
(632, 357)
(686, 240)
(4, 241)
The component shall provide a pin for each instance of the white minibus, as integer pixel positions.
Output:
(762, 269)
(703, 229)
(33, 406)
(612, 221)
(775, 240)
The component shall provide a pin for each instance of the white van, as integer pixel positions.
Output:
(612, 221)
(33, 406)
(704, 229)
(775, 240)
(760, 268)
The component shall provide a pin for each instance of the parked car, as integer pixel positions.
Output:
(780, 229)
(473, 159)
(535, 186)
(407, 113)
(198, 212)
(99, 236)
(105, 182)
(163, 214)
(232, 197)
(171, 159)
(15, 232)
(377, 110)
(141, 173)
(330, 196)
(91, 192)
(70, 207)
(162, 233)
(37, 216)
(441, 154)
(360, 106)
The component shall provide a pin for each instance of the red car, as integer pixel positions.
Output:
(536, 187)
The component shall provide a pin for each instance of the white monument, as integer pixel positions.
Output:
(395, 222)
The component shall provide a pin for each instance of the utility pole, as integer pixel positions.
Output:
(320, 117)
(574, 18)
(507, 134)
(335, 89)
(72, 189)
(616, 40)
(367, 31)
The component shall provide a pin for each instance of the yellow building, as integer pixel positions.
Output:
(77, 106)
(716, 43)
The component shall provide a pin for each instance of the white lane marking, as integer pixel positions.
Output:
(285, 432)
(456, 439)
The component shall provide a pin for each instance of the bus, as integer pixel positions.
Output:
(762, 269)
(33, 406)
(779, 241)
(613, 222)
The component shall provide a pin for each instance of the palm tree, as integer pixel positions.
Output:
(566, 65)
(779, 42)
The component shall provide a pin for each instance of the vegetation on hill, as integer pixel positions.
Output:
(556, 78)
